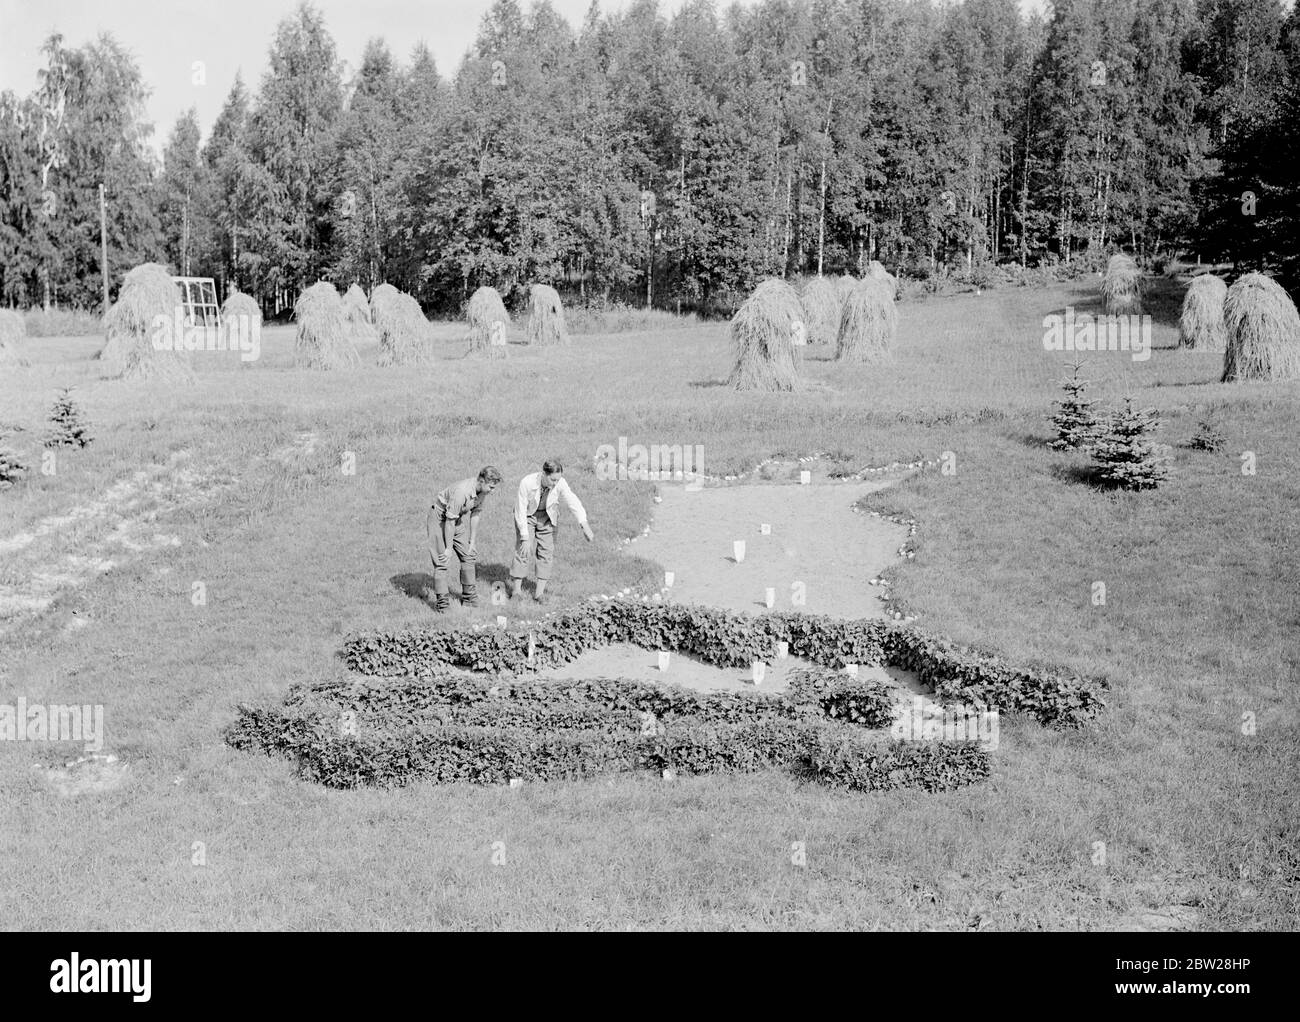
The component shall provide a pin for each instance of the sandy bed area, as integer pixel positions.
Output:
(624, 660)
(815, 538)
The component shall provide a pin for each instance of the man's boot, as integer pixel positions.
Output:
(441, 602)
(469, 595)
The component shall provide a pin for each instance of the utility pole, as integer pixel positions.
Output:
(185, 236)
(103, 245)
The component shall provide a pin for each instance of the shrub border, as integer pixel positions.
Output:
(834, 754)
(955, 673)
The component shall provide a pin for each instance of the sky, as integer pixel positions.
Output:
(169, 36)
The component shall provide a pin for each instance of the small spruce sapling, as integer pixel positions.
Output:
(67, 428)
(1208, 436)
(1126, 457)
(12, 467)
(1077, 425)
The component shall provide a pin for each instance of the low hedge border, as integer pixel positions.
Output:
(955, 673)
(834, 754)
(455, 697)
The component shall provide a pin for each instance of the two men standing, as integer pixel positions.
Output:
(453, 519)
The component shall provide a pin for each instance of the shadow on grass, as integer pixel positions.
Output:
(1162, 300)
(418, 585)
(1185, 383)
(1079, 472)
(1037, 441)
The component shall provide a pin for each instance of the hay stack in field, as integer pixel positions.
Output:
(821, 305)
(762, 340)
(148, 293)
(545, 316)
(238, 304)
(420, 334)
(404, 335)
(323, 340)
(382, 299)
(868, 322)
(877, 271)
(1263, 331)
(844, 285)
(356, 304)
(357, 309)
(384, 309)
(1121, 287)
(485, 312)
(13, 328)
(1201, 325)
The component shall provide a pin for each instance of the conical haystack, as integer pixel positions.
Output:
(1263, 331)
(762, 339)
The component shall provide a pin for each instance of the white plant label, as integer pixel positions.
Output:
(738, 550)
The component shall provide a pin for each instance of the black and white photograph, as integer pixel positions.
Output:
(651, 465)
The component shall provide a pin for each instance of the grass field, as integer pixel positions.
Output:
(1201, 625)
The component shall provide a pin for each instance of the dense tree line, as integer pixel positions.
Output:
(677, 157)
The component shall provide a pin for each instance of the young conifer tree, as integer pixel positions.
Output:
(12, 467)
(1075, 421)
(1126, 456)
(66, 426)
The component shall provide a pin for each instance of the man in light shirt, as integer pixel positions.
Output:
(536, 511)
(452, 524)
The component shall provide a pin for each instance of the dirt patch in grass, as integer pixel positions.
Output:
(624, 660)
(815, 538)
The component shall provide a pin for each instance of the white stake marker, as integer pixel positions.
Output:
(738, 550)
(760, 672)
(668, 579)
(783, 649)
(663, 660)
(532, 647)
(805, 478)
(769, 597)
(765, 529)
(501, 621)
(851, 670)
